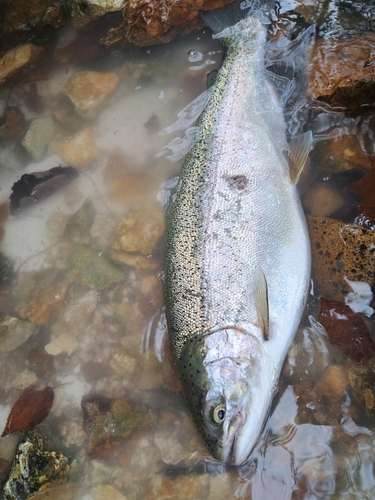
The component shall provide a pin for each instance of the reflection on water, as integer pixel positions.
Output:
(110, 341)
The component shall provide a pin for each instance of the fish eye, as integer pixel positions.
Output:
(218, 414)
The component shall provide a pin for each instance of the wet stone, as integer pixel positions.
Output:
(109, 422)
(90, 268)
(5, 268)
(136, 260)
(90, 10)
(121, 362)
(24, 379)
(45, 303)
(66, 342)
(133, 189)
(362, 381)
(103, 230)
(321, 201)
(26, 17)
(78, 312)
(34, 470)
(78, 225)
(14, 332)
(106, 491)
(40, 132)
(16, 59)
(147, 24)
(89, 91)
(340, 250)
(12, 123)
(140, 231)
(80, 150)
(342, 72)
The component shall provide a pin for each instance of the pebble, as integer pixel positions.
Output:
(90, 268)
(14, 332)
(121, 362)
(321, 201)
(134, 189)
(45, 302)
(66, 342)
(136, 260)
(80, 150)
(40, 132)
(140, 231)
(17, 59)
(89, 90)
(25, 379)
(78, 311)
(103, 230)
(106, 492)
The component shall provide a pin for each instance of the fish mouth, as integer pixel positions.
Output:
(229, 451)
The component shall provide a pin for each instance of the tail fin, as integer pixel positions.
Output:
(230, 15)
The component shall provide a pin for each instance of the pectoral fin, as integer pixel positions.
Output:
(299, 149)
(260, 294)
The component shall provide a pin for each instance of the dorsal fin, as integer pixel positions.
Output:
(260, 295)
(299, 149)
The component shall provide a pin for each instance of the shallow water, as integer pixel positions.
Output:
(114, 343)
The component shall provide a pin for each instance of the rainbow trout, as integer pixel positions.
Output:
(237, 257)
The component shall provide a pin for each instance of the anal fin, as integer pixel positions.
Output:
(299, 149)
(260, 295)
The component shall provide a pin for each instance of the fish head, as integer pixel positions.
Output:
(228, 381)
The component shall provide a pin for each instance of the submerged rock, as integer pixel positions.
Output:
(17, 59)
(147, 22)
(90, 268)
(89, 91)
(12, 123)
(39, 185)
(80, 150)
(340, 250)
(90, 10)
(45, 303)
(40, 132)
(134, 189)
(322, 200)
(140, 231)
(35, 470)
(14, 332)
(342, 72)
(78, 225)
(362, 381)
(109, 422)
(24, 18)
(103, 230)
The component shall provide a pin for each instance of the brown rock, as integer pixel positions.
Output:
(12, 124)
(342, 72)
(89, 91)
(46, 302)
(25, 16)
(90, 10)
(116, 167)
(322, 200)
(362, 381)
(17, 59)
(140, 231)
(109, 422)
(147, 22)
(80, 150)
(136, 260)
(134, 189)
(344, 153)
(340, 250)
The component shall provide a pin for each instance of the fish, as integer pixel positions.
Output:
(237, 252)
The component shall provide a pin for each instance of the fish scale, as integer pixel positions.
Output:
(236, 211)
